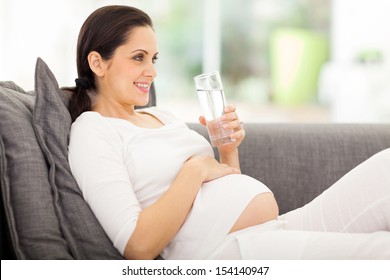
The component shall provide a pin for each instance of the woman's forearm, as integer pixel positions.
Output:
(231, 158)
(159, 223)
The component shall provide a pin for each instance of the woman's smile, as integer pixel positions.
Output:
(144, 87)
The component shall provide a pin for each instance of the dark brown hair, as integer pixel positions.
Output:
(104, 31)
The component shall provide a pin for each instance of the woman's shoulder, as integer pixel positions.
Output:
(91, 131)
(86, 120)
(90, 123)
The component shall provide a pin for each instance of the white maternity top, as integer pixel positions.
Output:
(122, 169)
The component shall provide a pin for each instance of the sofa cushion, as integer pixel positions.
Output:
(25, 189)
(83, 233)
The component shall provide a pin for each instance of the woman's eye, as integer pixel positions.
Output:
(139, 57)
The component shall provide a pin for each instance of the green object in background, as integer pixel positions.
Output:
(296, 57)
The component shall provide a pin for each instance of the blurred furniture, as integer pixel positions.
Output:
(296, 57)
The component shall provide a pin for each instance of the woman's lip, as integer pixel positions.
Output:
(144, 87)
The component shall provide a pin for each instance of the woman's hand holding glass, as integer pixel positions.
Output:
(231, 122)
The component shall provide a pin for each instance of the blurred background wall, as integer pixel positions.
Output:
(280, 60)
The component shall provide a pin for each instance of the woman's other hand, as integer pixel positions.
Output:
(209, 168)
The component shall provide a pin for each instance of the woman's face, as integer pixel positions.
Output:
(131, 71)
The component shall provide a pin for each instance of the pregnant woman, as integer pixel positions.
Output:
(157, 189)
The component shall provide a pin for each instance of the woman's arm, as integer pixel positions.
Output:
(230, 157)
(159, 223)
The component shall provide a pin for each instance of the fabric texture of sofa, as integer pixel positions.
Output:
(43, 214)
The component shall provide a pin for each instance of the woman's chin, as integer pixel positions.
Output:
(142, 103)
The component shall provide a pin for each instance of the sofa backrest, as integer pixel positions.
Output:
(298, 161)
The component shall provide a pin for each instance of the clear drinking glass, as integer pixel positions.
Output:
(212, 100)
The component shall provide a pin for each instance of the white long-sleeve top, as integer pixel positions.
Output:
(122, 169)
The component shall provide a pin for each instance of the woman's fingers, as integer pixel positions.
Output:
(234, 125)
(202, 120)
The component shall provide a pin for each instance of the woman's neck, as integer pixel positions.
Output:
(111, 108)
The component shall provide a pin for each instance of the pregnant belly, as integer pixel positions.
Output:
(262, 208)
(226, 204)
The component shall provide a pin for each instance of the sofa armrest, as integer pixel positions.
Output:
(299, 161)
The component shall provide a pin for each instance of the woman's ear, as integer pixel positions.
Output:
(96, 63)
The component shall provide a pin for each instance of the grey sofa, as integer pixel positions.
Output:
(299, 161)
(43, 215)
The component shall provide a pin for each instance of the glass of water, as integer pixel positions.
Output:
(213, 102)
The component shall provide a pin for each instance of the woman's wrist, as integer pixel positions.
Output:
(230, 157)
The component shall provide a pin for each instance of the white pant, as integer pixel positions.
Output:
(350, 220)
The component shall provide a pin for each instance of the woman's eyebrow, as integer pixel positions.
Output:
(140, 50)
(144, 51)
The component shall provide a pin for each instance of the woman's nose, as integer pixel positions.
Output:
(150, 71)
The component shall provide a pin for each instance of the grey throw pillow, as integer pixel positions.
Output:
(83, 233)
(25, 189)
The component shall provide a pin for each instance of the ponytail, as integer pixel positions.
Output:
(80, 100)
